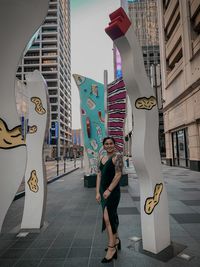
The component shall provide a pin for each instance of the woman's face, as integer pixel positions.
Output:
(109, 146)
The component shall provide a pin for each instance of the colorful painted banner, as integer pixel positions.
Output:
(92, 117)
(116, 106)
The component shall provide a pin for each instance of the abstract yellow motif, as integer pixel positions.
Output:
(151, 202)
(33, 182)
(145, 103)
(38, 105)
(32, 129)
(10, 138)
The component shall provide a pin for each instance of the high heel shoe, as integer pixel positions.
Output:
(105, 260)
(118, 245)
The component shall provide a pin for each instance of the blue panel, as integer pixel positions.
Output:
(92, 117)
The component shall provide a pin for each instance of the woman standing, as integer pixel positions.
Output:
(108, 194)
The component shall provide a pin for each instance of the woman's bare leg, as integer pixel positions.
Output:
(111, 237)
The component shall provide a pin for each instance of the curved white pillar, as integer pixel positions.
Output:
(146, 156)
(35, 175)
(19, 19)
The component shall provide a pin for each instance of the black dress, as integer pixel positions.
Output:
(111, 203)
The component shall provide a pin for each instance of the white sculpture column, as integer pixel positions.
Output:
(146, 155)
(19, 19)
(35, 175)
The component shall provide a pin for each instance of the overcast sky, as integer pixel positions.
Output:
(91, 48)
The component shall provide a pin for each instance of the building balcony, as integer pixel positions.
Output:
(194, 7)
(53, 2)
(52, 87)
(51, 80)
(49, 63)
(178, 68)
(175, 56)
(49, 72)
(49, 24)
(174, 39)
(49, 47)
(53, 92)
(54, 10)
(52, 14)
(53, 100)
(49, 55)
(196, 25)
(51, 17)
(49, 32)
(34, 56)
(31, 64)
(172, 7)
(52, 40)
(34, 48)
(196, 45)
(173, 23)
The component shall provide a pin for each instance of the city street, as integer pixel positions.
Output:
(54, 169)
(72, 234)
(88, 79)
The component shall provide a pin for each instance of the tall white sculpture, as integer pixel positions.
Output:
(146, 156)
(35, 178)
(19, 19)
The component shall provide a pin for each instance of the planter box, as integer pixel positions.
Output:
(124, 180)
(90, 180)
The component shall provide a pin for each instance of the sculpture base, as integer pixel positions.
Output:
(165, 255)
(124, 180)
(90, 180)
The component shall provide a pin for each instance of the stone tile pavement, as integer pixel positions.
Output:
(72, 234)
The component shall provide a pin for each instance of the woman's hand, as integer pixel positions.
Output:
(106, 194)
(98, 197)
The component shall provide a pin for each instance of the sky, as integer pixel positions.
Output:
(91, 47)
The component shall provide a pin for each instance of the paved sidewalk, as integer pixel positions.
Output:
(72, 233)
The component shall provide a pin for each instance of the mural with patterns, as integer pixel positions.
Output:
(92, 117)
(116, 107)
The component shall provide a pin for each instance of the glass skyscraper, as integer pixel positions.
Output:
(49, 52)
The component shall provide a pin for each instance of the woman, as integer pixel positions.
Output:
(108, 194)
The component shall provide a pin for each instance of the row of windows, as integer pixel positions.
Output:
(44, 53)
(156, 54)
(143, 15)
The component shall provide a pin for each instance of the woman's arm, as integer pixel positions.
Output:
(98, 196)
(118, 161)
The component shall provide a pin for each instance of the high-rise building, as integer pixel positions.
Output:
(144, 18)
(143, 15)
(50, 54)
(77, 144)
(179, 23)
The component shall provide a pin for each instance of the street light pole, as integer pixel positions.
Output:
(57, 145)
(105, 99)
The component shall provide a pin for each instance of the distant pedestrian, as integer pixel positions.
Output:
(108, 194)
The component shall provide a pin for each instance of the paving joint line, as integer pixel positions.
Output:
(89, 258)
(75, 235)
